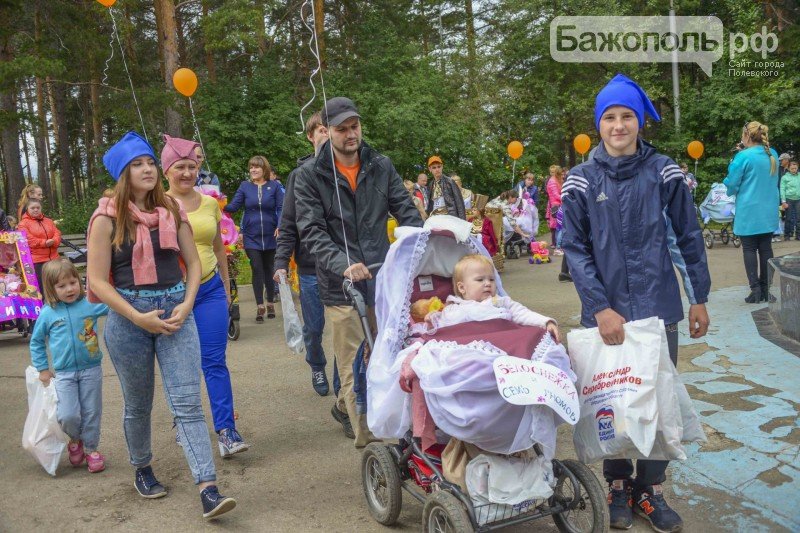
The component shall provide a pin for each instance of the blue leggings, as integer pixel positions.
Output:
(211, 316)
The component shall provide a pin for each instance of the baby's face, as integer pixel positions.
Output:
(478, 283)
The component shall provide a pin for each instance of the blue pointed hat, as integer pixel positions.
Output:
(622, 90)
(131, 146)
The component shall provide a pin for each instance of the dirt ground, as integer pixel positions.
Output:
(301, 473)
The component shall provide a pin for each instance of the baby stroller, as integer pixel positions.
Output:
(719, 208)
(577, 502)
(233, 309)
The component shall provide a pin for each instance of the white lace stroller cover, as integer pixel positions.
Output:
(477, 413)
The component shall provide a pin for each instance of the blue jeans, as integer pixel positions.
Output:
(133, 351)
(792, 214)
(313, 321)
(211, 316)
(80, 404)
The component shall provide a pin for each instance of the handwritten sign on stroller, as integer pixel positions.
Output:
(523, 382)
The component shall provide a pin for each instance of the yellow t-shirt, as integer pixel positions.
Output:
(205, 222)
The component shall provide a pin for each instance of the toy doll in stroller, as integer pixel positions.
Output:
(477, 461)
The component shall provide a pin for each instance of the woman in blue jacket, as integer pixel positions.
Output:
(753, 179)
(262, 200)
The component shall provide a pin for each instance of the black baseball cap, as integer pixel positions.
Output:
(337, 110)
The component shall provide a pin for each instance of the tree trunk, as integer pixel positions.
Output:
(470, 31)
(9, 136)
(168, 49)
(424, 27)
(23, 135)
(319, 26)
(42, 178)
(58, 110)
(88, 130)
(209, 55)
(97, 124)
(44, 169)
(261, 29)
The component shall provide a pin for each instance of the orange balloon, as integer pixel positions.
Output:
(107, 3)
(695, 149)
(582, 143)
(185, 81)
(515, 149)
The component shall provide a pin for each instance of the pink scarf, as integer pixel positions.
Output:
(143, 261)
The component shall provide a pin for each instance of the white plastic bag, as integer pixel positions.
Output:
(42, 436)
(617, 388)
(604, 432)
(513, 484)
(292, 327)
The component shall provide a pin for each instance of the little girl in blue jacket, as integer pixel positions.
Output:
(68, 326)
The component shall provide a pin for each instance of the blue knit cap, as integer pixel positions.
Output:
(622, 90)
(119, 156)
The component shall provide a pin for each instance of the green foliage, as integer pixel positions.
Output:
(75, 214)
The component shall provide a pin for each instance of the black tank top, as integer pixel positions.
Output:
(167, 266)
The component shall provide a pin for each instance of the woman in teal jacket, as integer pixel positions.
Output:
(753, 179)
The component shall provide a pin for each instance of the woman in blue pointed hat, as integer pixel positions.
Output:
(138, 240)
(616, 242)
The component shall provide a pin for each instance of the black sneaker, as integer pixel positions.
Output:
(320, 382)
(214, 503)
(565, 278)
(620, 505)
(147, 485)
(651, 505)
(344, 420)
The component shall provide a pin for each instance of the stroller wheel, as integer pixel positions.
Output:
(233, 329)
(724, 236)
(443, 512)
(587, 510)
(380, 479)
(709, 238)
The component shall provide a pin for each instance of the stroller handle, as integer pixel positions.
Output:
(357, 299)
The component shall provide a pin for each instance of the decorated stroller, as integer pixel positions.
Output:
(720, 208)
(418, 265)
(20, 299)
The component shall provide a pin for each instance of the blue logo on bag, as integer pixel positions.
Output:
(605, 423)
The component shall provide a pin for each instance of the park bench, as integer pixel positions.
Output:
(73, 247)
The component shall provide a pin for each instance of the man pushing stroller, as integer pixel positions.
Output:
(344, 197)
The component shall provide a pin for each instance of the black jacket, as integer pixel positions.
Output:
(4, 225)
(288, 241)
(365, 212)
(453, 200)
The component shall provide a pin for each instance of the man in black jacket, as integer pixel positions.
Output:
(343, 200)
(288, 244)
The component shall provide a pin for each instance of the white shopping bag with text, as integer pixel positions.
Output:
(617, 389)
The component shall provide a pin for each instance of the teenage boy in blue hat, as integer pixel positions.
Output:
(616, 243)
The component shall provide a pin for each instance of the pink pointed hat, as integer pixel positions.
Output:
(176, 149)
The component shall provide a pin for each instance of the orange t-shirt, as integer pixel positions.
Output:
(351, 173)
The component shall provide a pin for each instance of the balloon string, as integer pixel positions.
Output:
(513, 171)
(312, 43)
(125, 64)
(315, 53)
(197, 132)
(108, 61)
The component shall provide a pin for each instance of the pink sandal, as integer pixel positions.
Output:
(96, 462)
(76, 455)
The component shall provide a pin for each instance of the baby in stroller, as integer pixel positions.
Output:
(436, 385)
(475, 284)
